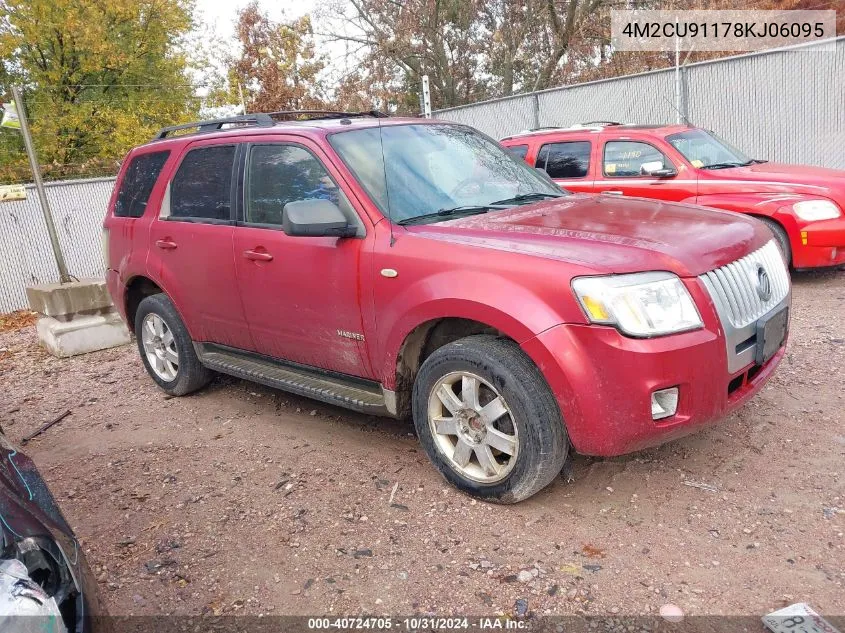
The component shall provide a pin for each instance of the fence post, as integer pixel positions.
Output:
(64, 277)
(535, 102)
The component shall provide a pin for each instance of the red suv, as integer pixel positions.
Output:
(801, 205)
(411, 267)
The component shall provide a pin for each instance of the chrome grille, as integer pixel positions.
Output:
(734, 287)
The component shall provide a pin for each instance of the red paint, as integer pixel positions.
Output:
(510, 270)
(764, 190)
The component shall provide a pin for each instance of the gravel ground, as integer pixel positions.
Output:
(241, 499)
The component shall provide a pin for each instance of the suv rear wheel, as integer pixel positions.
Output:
(488, 420)
(166, 347)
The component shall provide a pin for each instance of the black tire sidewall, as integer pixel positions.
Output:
(542, 436)
(782, 239)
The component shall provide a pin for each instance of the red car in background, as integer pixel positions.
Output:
(802, 205)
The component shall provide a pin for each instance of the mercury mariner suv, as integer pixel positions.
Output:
(410, 267)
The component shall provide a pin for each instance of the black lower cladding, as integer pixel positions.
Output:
(771, 334)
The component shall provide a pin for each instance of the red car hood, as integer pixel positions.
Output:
(611, 235)
(782, 178)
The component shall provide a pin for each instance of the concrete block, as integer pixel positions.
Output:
(83, 334)
(61, 301)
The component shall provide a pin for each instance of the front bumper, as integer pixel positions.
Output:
(603, 382)
(819, 244)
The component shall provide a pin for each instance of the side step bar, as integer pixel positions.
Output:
(350, 392)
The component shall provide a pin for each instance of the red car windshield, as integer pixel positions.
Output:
(705, 150)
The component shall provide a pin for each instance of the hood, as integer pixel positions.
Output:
(780, 178)
(606, 234)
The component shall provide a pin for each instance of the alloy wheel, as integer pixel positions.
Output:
(160, 347)
(473, 427)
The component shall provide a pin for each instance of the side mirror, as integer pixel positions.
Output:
(657, 169)
(315, 218)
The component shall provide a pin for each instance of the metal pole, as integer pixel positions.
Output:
(64, 277)
(679, 117)
(241, 94)
(426, 97)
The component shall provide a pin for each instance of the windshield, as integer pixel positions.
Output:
(705, 150)
(433, 168)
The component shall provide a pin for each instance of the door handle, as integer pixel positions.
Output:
(258, 256)
(613, 192)
(166, 244)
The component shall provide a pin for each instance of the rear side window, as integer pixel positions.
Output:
(201, 187)
(517, 151)
(137, 183)
(565, 160)
(278, 174)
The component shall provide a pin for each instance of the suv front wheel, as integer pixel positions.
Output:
(487, 419)
(166, 347)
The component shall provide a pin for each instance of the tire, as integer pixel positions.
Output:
(782, 239)
(530, 421)
(187, 373)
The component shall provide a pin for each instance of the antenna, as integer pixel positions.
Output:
(386, 185)
(683, 117)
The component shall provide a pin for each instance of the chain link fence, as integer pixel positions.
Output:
(26, 257)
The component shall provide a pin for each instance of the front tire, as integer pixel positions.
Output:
(487, 419)
(166, 348)
(782, 239)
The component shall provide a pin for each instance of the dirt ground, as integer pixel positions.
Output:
(241, 499)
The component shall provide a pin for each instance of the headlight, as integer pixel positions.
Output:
(640, 304)
(812, 210)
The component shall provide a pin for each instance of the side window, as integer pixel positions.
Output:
(517, 151)
(137, 183)
(631, 159)
(565, 160)
(201, 187)
(278, 174)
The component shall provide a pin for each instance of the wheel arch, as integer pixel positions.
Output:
(140, 287)
(408, 348)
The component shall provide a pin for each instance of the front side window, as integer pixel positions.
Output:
(705, 150)
(631, 159)
(201, 188)
(565, 160)
(278, 174)
(415, 170)
(137, 184)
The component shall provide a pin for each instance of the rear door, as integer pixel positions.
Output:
(568, 163)
(301, 294)
(191, 252)
(624, 166)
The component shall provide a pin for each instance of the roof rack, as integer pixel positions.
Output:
(326, 114)
(261, 119)
(212, 125)
(600, 123)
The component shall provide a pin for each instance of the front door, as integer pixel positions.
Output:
(301, 295)
(625, 168)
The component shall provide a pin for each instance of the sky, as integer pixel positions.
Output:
(220, 15)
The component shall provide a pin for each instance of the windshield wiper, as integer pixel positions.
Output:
(522, 197)
(723, 165)
(467, 209)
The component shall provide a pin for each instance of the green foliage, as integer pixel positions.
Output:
(99, 76)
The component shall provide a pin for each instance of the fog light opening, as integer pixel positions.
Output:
(664, 403)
